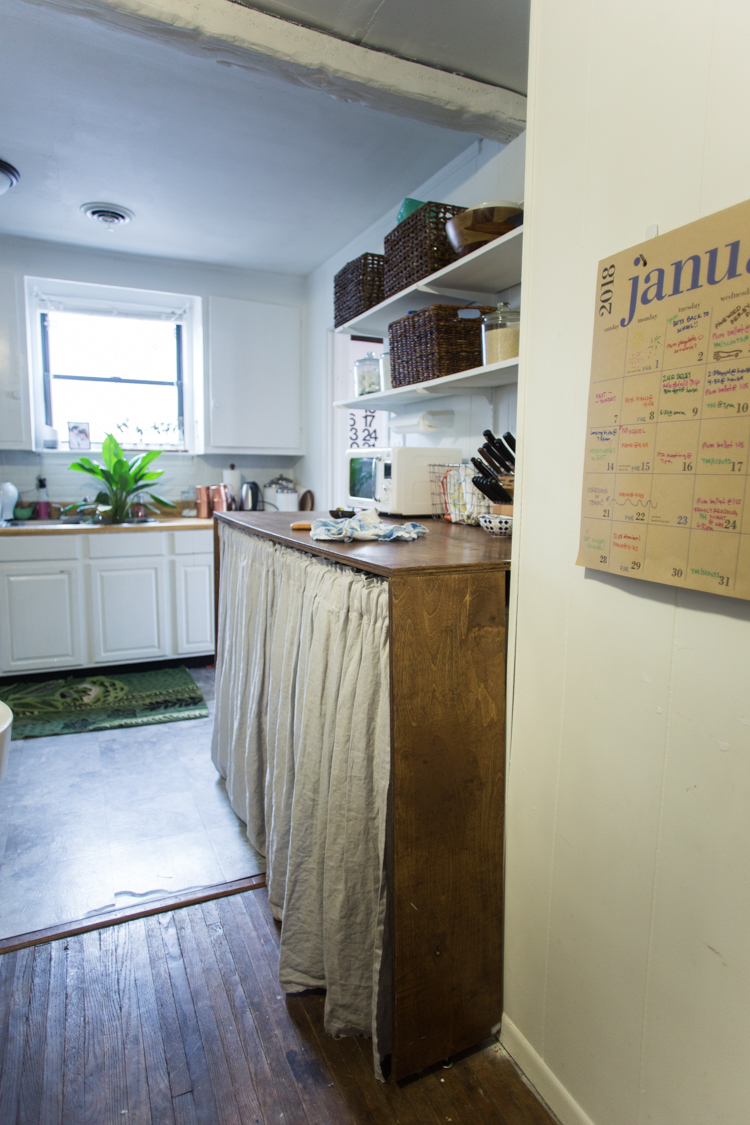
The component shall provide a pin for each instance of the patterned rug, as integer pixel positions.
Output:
(74, 706)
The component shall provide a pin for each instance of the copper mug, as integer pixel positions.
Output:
(219, 497)
(203, 501)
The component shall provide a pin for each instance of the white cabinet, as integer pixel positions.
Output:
(104, 598)
(15, 422)
(40, 616)
(253, 377)
(194, 610)
(127, 601)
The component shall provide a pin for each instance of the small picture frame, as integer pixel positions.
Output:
(78, 435)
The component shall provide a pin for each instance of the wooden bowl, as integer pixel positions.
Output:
(473, 228)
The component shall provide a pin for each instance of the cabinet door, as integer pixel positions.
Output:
(15, 423)
(40, 616)
(254, 377)
(127, 609)
(194, 603)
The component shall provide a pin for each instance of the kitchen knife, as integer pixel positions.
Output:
(502, 451)
(510, 441)
(492, 490)
(499, 461)
(484, 470)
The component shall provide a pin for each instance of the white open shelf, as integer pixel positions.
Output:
(479, 380)
(480, 276)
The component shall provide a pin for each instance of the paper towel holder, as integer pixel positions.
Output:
(425, 422)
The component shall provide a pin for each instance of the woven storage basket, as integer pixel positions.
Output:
(357, 287)
(434, 342)
(418, 246)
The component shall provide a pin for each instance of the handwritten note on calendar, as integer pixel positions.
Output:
(665, 488)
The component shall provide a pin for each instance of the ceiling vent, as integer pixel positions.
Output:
(111, 214)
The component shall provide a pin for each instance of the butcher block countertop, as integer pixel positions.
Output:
(42, 527)
(446, 546)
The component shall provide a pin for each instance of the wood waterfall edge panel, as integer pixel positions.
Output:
(448, 737)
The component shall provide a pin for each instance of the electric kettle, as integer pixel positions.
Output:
(250, 498)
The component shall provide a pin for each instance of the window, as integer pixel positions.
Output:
(113, 361)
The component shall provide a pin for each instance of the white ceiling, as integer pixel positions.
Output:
(483, 39)
(218, 163)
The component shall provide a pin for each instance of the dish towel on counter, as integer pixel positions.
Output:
(365, 525)
(302, 736)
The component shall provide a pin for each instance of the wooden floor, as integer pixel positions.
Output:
(179, 1018)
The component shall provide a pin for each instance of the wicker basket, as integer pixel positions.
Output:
(418, 246)
(357, 287)
(433, 342)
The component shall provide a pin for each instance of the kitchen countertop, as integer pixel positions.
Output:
(40, 527)
(447, 546)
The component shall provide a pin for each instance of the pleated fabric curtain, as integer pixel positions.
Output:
(302, 736)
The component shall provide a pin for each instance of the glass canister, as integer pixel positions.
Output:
(385, 371)
(366, 375)
(500, 333)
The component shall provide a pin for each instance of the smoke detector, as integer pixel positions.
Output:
(111, 214)
(9, 176)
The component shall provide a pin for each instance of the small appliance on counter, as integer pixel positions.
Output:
(250, 497)
(272, 502)
(395, 480)
(8, 500)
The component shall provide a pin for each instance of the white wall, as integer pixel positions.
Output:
(22, 256)
(628, 851)
(485, 171)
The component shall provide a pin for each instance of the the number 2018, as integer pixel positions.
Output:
(606, 291)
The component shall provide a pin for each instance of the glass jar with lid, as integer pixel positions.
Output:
(367, 375)
(500, 334)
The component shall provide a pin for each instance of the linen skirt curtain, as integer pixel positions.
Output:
(302, 736)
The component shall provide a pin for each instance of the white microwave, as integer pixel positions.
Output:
(395, 480)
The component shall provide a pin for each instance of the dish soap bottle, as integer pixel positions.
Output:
(42, 499)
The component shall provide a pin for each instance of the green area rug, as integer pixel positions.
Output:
(75, 706)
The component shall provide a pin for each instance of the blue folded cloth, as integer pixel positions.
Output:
(365, 525)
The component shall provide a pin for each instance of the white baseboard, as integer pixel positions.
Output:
(541, 1077)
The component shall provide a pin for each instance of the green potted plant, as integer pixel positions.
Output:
(122, 481)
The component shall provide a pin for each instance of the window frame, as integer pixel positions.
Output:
(184, 310)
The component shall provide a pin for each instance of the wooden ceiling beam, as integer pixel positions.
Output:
(236, 35)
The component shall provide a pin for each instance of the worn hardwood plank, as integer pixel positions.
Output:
(74, 1093)
(10, 1080)
(314, 1082)
(448, 771)
(51, 1108)
(202, 1089)
(156, 1070)
(268, 1037)
(505, 1087)
(271, 1106)
(139, 1104)
(226, 1103)
(180, 1081)
(210, 979)
(115, 1078)
(35, 1039)
(185, 1112)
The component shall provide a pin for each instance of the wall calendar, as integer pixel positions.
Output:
(665, 489)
